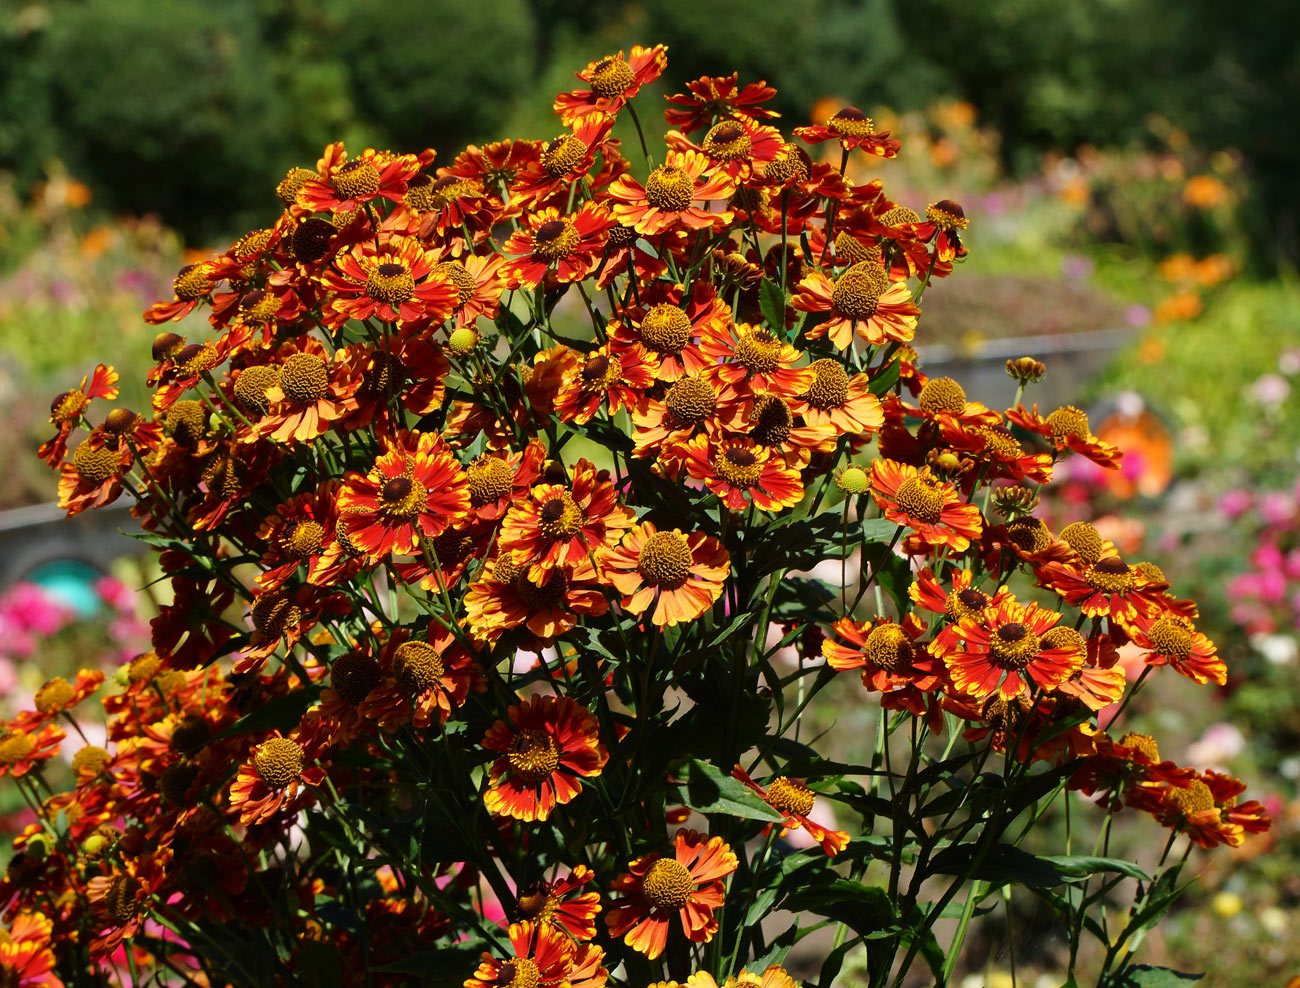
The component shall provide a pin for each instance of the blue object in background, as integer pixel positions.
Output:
(70, 582)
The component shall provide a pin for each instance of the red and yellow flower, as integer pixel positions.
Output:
(931, 508)
(681, 576)
(854, 130)
(712, 98)
(863, 301)
(548, 747)
(20, 750)
(503, 597)
(795, 800)
(555, 902)
(614, 80)
(67, 409)
(656, 888)
(667, 200)
(670, 324)
(891, 656)
(1067, 429)
(834, 398)
(1170, 640)
(1005, 649)
(398, 281)
(26, 957)
(741, 472)
(269, 782)
(571, 244)
(1109, 587)
(349, 183)
(614, 376)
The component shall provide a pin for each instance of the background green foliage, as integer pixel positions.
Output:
(184, 108)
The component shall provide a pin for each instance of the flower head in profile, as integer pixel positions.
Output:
(854, 130)
(794, 800)
(548, 747)
(773, 976)
(656, 888)
(1171, 640)
(68, 407)
(562, 902)
(711, 98)
(1068, 431)
(679, 576)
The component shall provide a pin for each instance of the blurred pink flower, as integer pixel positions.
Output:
(1236, 502)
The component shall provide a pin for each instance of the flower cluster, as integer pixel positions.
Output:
(425, 666)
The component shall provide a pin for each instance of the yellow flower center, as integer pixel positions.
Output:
(251, 386)
(356, 178)
(1171, 637)
(274, 612)
(95, 464)
(1150, 572)
(449, 188)
(965, 603)
(611, 77)
(195, 359)
(390, 283)
(790, 165)
(15, 746)
(304, 378)
(670, 189)
(490, 479)
(417, 666)
(304, 539)
(601, 372)
(1083, 539)
(667, 885)
(770, 421)
(858, 291)
(1000, 442)
(1143, 743)
(143, 667)
(691, 400)
(419, 193)
(563, 154)
(519, 973)
(942, 394)
(851, 250)
(191, 282)
(252, 244)
(1110, 575)
(278, 761)
(1196, 798)
(56, 694)
(1064, 637)
(759, 351)
(1029, 534)
(790, 796)
(67, 406)
(537, 904)
(461, 279)
(1013, 646)
(665, 560)
(888, 647)
(533, 755)
(560, 517)
(91, 759)
(830, 386)
(738, 466)
(666, 329)
(1068, 421)
(851, 122)
(258, 306)
(186, 422)
(899, 216)
(946, 215)
(293, 180)
(727, 141)
(555, 239)
(852, 480)
(921, 498)
(403, 499)
(353, 675)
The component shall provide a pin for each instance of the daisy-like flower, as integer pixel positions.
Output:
(1109, 587)
(269, 781)
(544, 957)
(557, 526)
(668, 323)
(67, 409)
(571, 244)
(795, 800)
(854, 130)
(398, 281)
(1171, 640)
(1128, 772)
(691, 407)
(92, 477)
(863, 301)
(309, 394)
(614, 80)
(835, 398)
(548, 747)
(1003, 651)
(891, 657)
(563, 161)
(503, 597)
(193, 283)
(680, 575)
(57, 696)
(26, 957)
(667, 200)
(612, 376)
(734, 146)
(423, 680)
(656, 887)
(753, 355)
(710, 98)
(995, 444)
(962, 600)
(1067, 429)
(741, 472)
(555, 902)
(349, 183)
(1194, 809)
(931, 508)
(944, 221)
(771, 423)
(1100, 681)
(21, 750)
(415, 490)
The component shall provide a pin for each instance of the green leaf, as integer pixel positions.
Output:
(771, 301)
(1081, 866)
(1004, 864)
(865, 909)
(736, 623)
(886, 378)
(280, 714)
(1149, 976)
(705, 789)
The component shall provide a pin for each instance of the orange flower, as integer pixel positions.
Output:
(890, 656)
(557, 526)
(754, 356)
(67, 409)
(667, 200)
(503, 597)
(1067, 428)
(613, 376)
(854, 130)
(733, 145)
(58, 696)
(20, 750)
(681, 575)
(1006, 649)
(712, 98)
(1110, 587)
(553, 902)
(572, 244)
(929, 507)
(563, 161)
(963, 600)
(613, 80)
(415, 490)
(311, 391)
(688, 885)
(841, 401)
(794, 799)
(421, 679)
(351, 183)
(26, 959)
(1128, 772)
(862, 300)
(668, 323)
(550, 745)
(1206, 810)
(740, 472)
(544, 957)
(269, 781)
(1170, 640)
(398, 281)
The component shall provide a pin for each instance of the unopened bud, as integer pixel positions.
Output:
(1014, 501)
(462, 341)
(852, 480)
(1026, 370)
